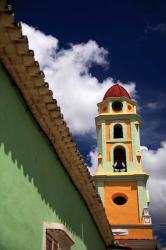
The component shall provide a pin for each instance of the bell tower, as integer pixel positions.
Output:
(120, 179)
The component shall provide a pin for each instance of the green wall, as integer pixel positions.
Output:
(34, 187)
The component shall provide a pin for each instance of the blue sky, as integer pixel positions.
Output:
(96, 43)
(134, 34)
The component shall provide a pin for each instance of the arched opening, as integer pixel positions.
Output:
(120, 159)
(117, 106)
(118, 131)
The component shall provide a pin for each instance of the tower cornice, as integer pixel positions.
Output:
(120, 176)
(121, 116)
(110, 99)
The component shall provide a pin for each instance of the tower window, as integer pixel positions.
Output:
(120, 200)
(120, 159)
(117, 106)
(118, 131)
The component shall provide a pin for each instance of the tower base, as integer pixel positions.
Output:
(137, 237)
(139, 244)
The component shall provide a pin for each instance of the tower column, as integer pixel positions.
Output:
(120, 180)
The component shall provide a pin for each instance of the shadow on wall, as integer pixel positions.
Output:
(30, 152)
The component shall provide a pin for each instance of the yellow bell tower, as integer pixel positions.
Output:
(120, 179)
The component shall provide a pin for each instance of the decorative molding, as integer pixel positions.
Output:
(108, 175)
(121, 116)
(140, 226)
(123, 98)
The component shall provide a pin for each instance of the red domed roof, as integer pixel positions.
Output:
(116, 91)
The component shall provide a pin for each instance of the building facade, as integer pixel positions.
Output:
(48, 198)
(120, 179)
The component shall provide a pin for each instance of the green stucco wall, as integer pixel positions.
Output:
(34, 187)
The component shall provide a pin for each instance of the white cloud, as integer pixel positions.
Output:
(156, 105)
(45, 47)
(144, 148)
(92, 156)
(154, 163)
(152, 105)
(68, 74)
(161, 27)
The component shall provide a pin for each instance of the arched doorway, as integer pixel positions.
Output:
(120, 159)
